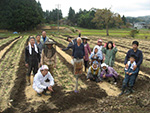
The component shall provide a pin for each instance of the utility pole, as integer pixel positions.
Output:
(58, 6)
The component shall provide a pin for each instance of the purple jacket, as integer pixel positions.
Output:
(110, 71)
(87, 50)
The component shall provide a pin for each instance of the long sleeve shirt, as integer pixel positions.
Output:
(78, 51)
(42, 82)
(70, 45)
(34, 57)
(130, 68)
(138, 54)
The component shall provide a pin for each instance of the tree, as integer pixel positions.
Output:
(71, 15)
(105, 18)
(124, 20)
(22, 14)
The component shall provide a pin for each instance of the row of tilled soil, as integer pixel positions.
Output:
(8, 68)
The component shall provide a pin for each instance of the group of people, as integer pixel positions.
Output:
(101, 60)
(40, 57)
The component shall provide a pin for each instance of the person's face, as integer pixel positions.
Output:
(95, 65)
(79, 41)
(44, 72)
(38, 38)
(49, 46)
(44, 34)
(96, 50)
(84, 40)
(32, 41)
(69, 39)
(109, 46)
(132, 59)
(99, 43)
(134, 46)
(104, 67)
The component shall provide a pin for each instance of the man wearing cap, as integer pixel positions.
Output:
(43, 81)
(32, 58)
(44, 38)
(48, 56)
(138, 54)
(94, 72)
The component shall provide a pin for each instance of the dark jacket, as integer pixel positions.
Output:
(138, 54)
(78, 51)
(34, 57)
(70, 45)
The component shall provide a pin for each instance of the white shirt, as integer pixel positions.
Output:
(40, 80)
(98, 47)
(132, 65)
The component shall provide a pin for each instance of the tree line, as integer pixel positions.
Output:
(23, 15)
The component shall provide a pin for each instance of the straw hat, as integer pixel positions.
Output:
(49, 42)
(84, 37)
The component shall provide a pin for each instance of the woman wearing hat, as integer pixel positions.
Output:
(49, 55)
(94, 72)
(110, 51)
(87, 51)
(108, 71)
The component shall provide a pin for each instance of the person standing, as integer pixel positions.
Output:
(38, 43)
(138, 54)
(110, 52)
(87, 51)
(32, 58)
(71, 44)
(78, 55)
(44, 38)
(48, 56)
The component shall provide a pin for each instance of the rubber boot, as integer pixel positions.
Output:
(130, 90)
(28, 80)
(123, 91)
(44, 92)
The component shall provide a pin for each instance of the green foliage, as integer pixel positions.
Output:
(20, 15)
(71, 15)
(51, 16)
(134, 32)
(104, 18)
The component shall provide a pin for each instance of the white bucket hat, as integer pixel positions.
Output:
(103, 64)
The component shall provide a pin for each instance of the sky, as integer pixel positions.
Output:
(132, 8)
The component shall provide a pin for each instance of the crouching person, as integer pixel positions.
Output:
(108, 71)
(43, 81)
(130, 76)
(94, 72)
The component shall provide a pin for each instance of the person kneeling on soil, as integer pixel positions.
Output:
(94, 72)
(108, 71)
(130, 76)
(43, 81)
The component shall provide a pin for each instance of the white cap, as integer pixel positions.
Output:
(103, 64)
(44, 67)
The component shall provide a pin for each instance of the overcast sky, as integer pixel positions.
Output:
(132, 8)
